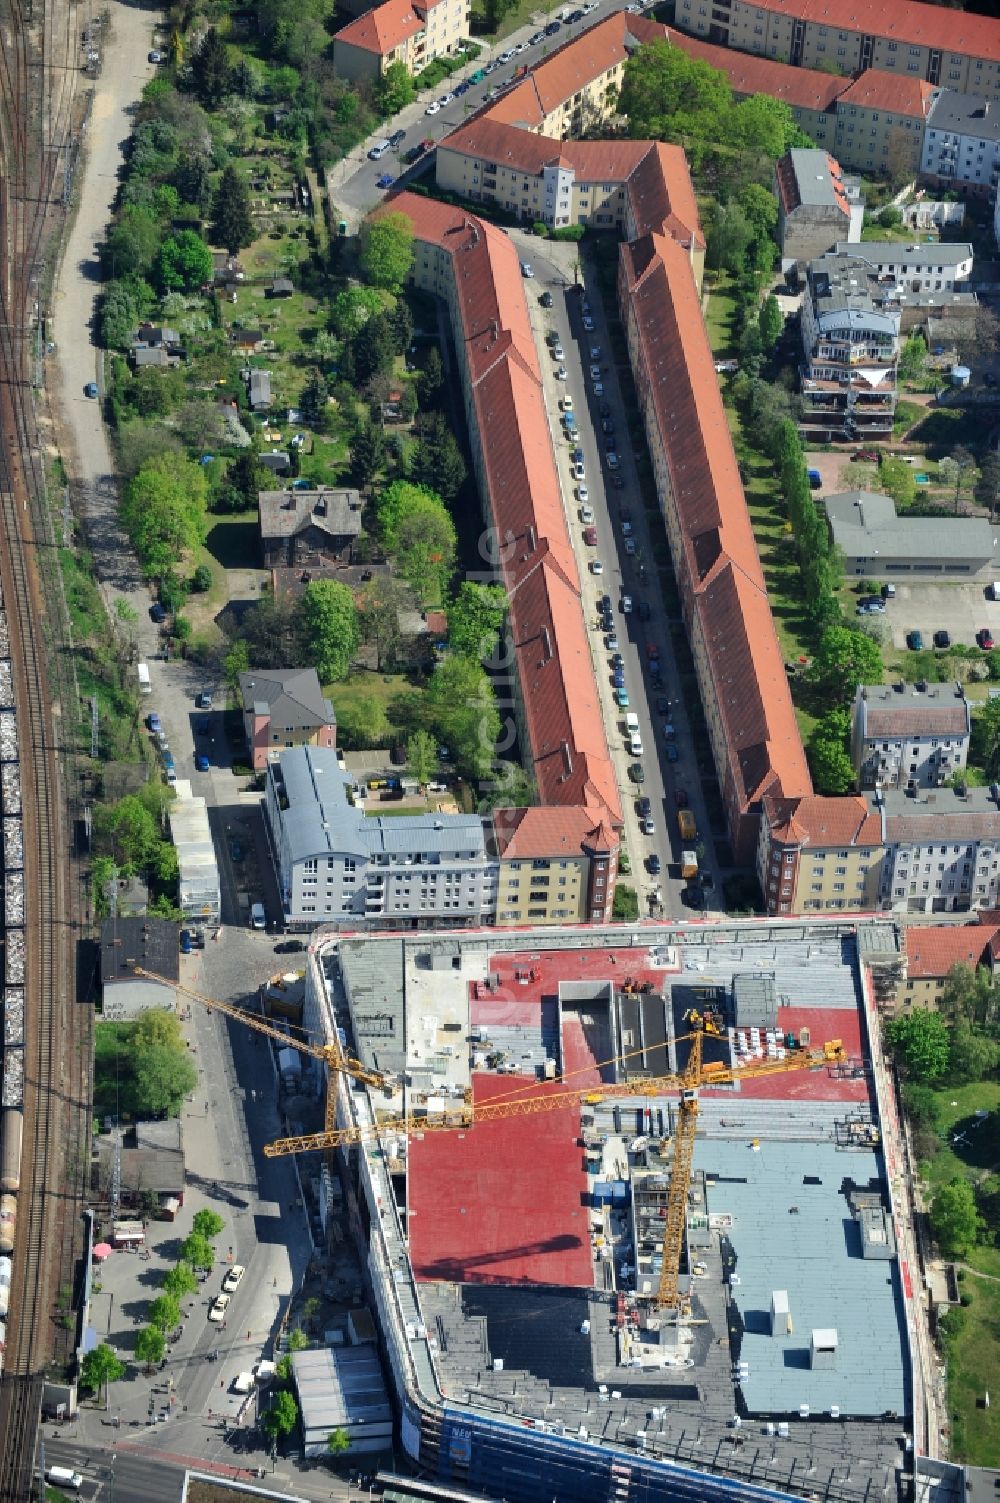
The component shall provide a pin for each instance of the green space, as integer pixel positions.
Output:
(141, 1069)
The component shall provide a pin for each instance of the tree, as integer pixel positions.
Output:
(165, 1312)
(123, 305)
(988, 485)
(729, 238)
(338, 1442)
(897, 479)
(235, 662)
(100, 1366)
(421, 755)
(770, 321)
(184, 262)
(246, 477)
(461, 709)
(126, 831)
(436, 459)
(669, 96)
(394, 90)
(361, 723)
(923, 1106)
(955, 1220)
(162, 1077)
(829, 754)
(979, 340)
(280, 1419)
(509, 787)
(761, 125)
(431, 377)
(984, 745)
(210, 71)
(969, 993)
(913, 357)
(955, 469)
(386, 253)
(371, 349)
(164, 510)
(314, 401)
(418, 531)
(973, 1054)
(297, 1340)
(198, 1252)
(367, 451)
(330, 618)
(232, 220)
(844, 659)
(180, 1280)
(920, 1039)
(625, 904)
(150, 1345)
(475, 618)
(354, 306)
(379, 605)
(207, 1223)
(131, 244)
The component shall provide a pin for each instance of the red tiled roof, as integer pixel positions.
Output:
(818, 822)
(931, 951)
(800, 88)
(522, 834)
(590, 54)
(565, 727)
(384, 28)
(662, 198)
(920, 25)
(877, 89)
(720, 576)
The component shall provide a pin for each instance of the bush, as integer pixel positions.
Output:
(569, 232)
(890, 217)
(201, 579)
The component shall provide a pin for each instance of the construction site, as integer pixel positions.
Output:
(624, 1206)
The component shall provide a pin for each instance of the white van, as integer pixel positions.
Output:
(379, 150)
(635, 744)
(258, 919)
(65, 1477)
(632, 723)
(142, 671)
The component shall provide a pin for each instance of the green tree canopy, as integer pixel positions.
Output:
(920, 1039)
(770, 322)
(180, 1280)
(164, 510)
(386, 253)
(280, 1418)
(625, 904)
(165, 1312)
(418, 531)
(669, 96)
(461, 709)
(829, 754)
(330, 620)
(210, 71)
(955, 1219)
(127, 832)
(198, 1252)
(232, 220)
(124, 304)
(436, 460)
(898, 480)
(132, 244)
(162, 1077)
(354, 306)
(150, 1345)
(379, 605)
(184, 262)
(984, 745)
(207, 1223)
(338, 1442)
(421, 755)
(844, 659)
(368, 451)
(972, 1055)
(394, 90)
(99, 1367)
(970, 994)
(475, 617)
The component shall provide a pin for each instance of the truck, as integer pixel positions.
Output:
(686, 824)
(689, 864)
(142, 672)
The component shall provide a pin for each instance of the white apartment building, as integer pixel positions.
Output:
(909, 735)
(942, 850)
(850, 344)
(335, 862)
(939, 266)
(962, 142)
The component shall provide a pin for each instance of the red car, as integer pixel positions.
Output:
(681, 798)
(863, 456)
(590, 536)
(985, 639)
(652, 651)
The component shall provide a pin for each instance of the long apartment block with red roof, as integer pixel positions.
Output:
(411, 32)
(947, 48)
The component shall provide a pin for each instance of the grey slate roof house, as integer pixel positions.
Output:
(301, 527)
(285, 708)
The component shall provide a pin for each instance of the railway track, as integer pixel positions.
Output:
(34, 126)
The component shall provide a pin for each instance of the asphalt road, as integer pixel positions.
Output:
(117, 1476)
(623, 573)
(353, 183)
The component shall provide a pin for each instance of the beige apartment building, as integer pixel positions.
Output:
(556, 867)
(820, 855)
(943, 47)
(411, 32)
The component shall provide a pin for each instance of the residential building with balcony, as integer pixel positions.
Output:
(961, 143)
(336, 863)
(850, 343)
(411, 32)
(909, 735)
(819, 855)
(880, 119)
(905, 37)
(942, 850)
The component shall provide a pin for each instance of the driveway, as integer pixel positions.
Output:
(623, 573)
(76, 361)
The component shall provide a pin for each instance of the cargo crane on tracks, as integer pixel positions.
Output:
(696, 1074)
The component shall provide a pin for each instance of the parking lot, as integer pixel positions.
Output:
(959, 609)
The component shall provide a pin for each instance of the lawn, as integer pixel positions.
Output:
(972, 1372)
(360, 690)
(959, 1105)
(719, 316)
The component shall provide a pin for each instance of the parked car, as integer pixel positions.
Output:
(90, 390)
(637, 772)
(942, 639)
(597, 566)
(815, 479)
(236, 851)
(647, 826)
(385, 181)
(546, 300)
(233, 1277)
(692, 897)
(579, 470)
(645, 610)
(201, 762)
(290, 947)
(157, 57)
(626, 605)
(157, 612)
(219, 1307)
(590, 536)
(870, 608)
(527, 270)
(915, 641)
(611, 641)
(671, 752)
(643, 807)
(621, 698)
(586, 512)
(865, 456)
(653, 862)
(984, 639)
(185, 942)
(154, 723)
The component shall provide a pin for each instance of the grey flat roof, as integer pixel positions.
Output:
(865, 524)
(147, 942)
(965, 115)
(813, 1253)
(940, 814)
(340, 1386)
(916, 253)
(813, 178)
